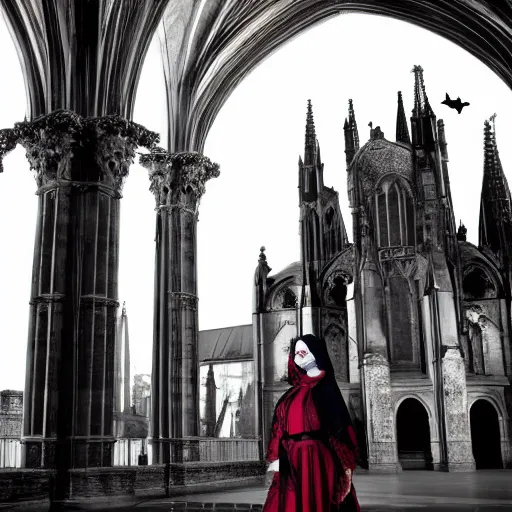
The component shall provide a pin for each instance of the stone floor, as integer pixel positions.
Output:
(418, 491)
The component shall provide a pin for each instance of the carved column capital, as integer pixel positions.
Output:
(8, 141)
(178, 179)
(64, 148)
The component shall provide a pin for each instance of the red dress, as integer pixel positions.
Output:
(312, 483)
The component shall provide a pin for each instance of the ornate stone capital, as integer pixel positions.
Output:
(8, 141)
(99, 300)
(185, 300)
(47, 298)
(65, 148)
(178, 179)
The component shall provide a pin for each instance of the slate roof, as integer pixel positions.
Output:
(226, 344)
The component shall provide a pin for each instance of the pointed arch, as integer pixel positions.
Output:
(485, 419)
(394, 212)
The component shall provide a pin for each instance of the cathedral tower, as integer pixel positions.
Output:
(406, 288)
(323, 233)
(495, 226)
(351, 134)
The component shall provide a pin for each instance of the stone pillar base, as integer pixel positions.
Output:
(460, 467)
(85, 453)
(384, 468)
(38, 453)
(92, 453)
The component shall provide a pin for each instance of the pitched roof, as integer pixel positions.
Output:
(226, 344)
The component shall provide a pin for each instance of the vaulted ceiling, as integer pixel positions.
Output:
(86, 55)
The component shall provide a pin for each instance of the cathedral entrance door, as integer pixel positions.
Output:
(485, 435)
(413, 435)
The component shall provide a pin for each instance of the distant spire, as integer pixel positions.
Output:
(353, 124)
(210, 417)
(495, 207)
(351, 134)
(310, 142)
(126, 374)
(421, 104)
(402, 129)
(461, 232)
(122, 385)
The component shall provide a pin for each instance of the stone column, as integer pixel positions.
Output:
(452, 389)
(380, 424)
(178, 182)
(80, 165)
(458, 434)
(375, 373)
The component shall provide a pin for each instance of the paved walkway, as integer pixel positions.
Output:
(416, 491)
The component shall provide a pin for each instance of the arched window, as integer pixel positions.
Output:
(476, 284)
(394, 215)
(313, 236)
(289, 299)
(401, 328)
(330, 229)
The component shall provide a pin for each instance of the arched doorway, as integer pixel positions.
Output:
(413, 435)
(485, 435)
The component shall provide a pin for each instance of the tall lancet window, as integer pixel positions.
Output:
(394, 214)
(331, 228)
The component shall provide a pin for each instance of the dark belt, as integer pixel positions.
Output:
(314, 435)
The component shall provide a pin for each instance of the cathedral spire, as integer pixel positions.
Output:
(210, 417)
(421, 104)
(351, 134)
(311, 170)
(423, 120)
(310, 142)
(123, 399)
(495, 207)
(402, 130)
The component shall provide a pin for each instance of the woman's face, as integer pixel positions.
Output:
(303, 356)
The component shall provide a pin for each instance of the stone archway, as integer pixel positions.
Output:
(485, 435)
(413, 435)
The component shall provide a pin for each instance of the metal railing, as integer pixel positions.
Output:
(10, 452)
(228, 449)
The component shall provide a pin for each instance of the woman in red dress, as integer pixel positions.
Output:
(313, 446)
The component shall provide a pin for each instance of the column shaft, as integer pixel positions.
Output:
(178, 183)
(80, 165)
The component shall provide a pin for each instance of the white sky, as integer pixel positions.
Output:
(257, 139)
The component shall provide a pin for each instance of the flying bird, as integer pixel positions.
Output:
(456, 104)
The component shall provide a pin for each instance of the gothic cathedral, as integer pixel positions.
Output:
(417, 319)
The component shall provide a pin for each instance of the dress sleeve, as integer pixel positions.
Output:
(345, 454)
(347, 457)
(275, 436)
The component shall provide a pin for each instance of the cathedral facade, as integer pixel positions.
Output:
(416, 318)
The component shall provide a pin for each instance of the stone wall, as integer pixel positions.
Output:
(24, 484)
(157, 480)
(10, 425)
(11, 413)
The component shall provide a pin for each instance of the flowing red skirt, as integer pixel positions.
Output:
(310, 487)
